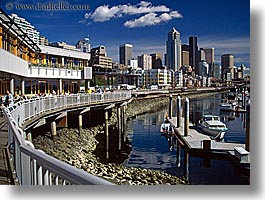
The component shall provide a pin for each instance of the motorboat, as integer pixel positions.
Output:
(212, 126)
(227, 106)
(165, 128)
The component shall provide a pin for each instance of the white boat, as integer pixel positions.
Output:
(212, 126)
(166, 128)
(227, 106)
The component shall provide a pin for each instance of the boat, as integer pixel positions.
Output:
(224, 106)
(212, 126)
(165, 128)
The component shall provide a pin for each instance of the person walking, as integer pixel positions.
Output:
(9, 99)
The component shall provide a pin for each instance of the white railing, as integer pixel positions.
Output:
(34, 167)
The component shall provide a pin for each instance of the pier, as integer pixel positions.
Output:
(185, 135)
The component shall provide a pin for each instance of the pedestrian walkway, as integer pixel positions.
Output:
(5, 170)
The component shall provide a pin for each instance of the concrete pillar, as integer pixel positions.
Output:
(53, 129)
(29, 137)
(186, 117)
(80, 123)
(60, 86)
(22, 87)
(178, 111)
(12, 86)
(170, 107)
(107, 133)
(247, 127)
(119, 125)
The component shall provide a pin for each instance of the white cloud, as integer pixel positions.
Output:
(105, 13)
(152, 19)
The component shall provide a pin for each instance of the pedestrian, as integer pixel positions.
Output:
(9, 99)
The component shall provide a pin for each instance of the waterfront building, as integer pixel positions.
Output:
(178, 78)
(160, 77)
(193, 50)
(84, 45)
(156, 61)
(145, 62)
(29, 69)
(125, 53)
(227, 63)
(29, 29)
(173, 50)
(99, 58)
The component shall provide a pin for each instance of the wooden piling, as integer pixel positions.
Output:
(119, 125)
(186, 117)
(247, 127)
(170, 107)
(107, 133)
(178, 112)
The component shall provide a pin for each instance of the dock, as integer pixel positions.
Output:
(195, 140)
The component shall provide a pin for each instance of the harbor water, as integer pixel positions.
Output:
(150, 150)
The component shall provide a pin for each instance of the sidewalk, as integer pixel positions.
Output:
(5, 173)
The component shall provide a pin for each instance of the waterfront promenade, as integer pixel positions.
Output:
(5, 172)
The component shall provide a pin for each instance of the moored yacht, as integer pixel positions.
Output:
(212, 126)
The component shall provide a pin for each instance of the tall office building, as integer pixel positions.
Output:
(209, 55)
(193, 47)
(227, 62)
(30, 30)
(185, 55)
(173, 48)
(156, 61)
(125, 54)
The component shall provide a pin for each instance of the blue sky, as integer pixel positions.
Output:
(222, 24)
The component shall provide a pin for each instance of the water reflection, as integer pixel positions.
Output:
(152, 151)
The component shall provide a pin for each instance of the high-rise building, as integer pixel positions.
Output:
(193, 47)
(29, 29)
(125, 54)
(227, 63)
(99, 58)
(173, 48)
(145, 62)
(43, 40)
(83, 45)
(157, 61)
(209, 55)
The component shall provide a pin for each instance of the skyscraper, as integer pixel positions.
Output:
(193, 53)
(173, 48)
(125, 54)
(227, 62)
(156, 61)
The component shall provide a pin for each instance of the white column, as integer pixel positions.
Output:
(60, 86)
(12, 86)
(22, 87)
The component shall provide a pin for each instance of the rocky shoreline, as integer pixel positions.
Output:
(78, 150)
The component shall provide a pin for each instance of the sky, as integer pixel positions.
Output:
(222, 24)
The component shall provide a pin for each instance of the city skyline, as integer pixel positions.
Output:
(145, 25)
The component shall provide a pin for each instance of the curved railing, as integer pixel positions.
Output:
(34, 167)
